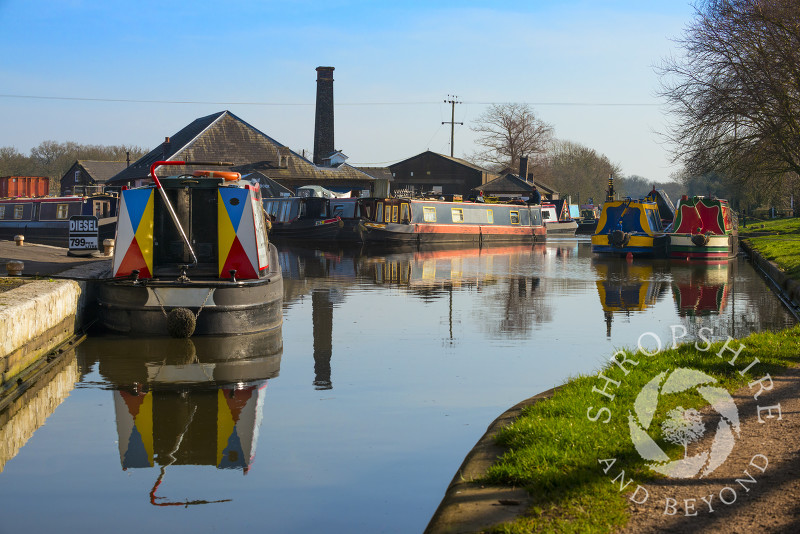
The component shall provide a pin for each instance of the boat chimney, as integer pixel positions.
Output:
(523, 167)
(323, 122)
(610, 194)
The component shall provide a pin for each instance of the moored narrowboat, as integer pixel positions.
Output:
(630, 226)
(420, 221)
(301, 218)
(192, 256)
(557, 219)
(704, 229)
(45, 220)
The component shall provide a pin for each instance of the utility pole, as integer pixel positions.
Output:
(452, 122)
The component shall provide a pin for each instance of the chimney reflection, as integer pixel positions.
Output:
(322, 322)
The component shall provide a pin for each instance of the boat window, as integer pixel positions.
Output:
(2, 212)
(489, 216)
(18, 211)
(379, 213)
(404, 215)
(395, 210)
(514, 217)
(338, 211)
(457, 214)
(429, 214)
(62, 211)
(546, 215)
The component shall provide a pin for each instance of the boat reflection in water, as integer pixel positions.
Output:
(189, 401)
(700, 288)
(627, 287)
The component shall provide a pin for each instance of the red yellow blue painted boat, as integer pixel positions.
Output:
(630, 226)
(192, 256)
(704, 229)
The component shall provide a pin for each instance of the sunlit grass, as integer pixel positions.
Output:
(553, 447)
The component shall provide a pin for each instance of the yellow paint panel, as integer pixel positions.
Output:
(225, 231)
(225, 424)
(144, 424)
(144, 233)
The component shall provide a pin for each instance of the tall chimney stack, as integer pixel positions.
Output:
(323, 123)
(523, 167)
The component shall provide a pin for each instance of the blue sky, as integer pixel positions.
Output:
(117, 71)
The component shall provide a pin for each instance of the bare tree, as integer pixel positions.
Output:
(683, 427)
(579, 171)
(735, 91)
(508, 131)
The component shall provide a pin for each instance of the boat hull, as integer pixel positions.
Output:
(561, 227)
(718, 247)
(220, 306)
(307, 230)
(651, 246)
(422, 234)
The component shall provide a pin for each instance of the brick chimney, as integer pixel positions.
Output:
(323, 123)
(523, 167)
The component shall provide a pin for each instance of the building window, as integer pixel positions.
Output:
(429, 214)
(62, 210)
(77, 176)
(458, 214)
(514, 217)
(18, 211)
(489, 216)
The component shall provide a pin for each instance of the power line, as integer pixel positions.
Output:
(232, 103)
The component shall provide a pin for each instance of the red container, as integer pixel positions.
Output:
(24, 186)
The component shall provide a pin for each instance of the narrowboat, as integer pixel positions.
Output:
(557, 219)
(394, 221)
(45, 220)
(630, 226)
(704, 229)
(192, 256)
(301, 218)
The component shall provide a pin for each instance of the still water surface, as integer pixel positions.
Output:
(354, 416)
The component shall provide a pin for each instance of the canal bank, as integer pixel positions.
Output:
(473, 503)
(43, 311)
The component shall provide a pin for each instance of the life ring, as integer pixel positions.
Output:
(225, 175)
(700, 240)
(618, 238)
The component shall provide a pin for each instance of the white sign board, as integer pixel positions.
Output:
(83, 233)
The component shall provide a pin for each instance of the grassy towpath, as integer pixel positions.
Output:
(574, 452)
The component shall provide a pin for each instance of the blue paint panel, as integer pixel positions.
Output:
(235, 208)
(136, 202)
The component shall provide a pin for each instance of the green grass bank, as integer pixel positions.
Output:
(554, 448)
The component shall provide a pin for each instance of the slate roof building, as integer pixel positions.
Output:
(430, 171)
(512, 186)
(223, 136)
(89, 176)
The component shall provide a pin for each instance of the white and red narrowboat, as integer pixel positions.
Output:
(704, 229)
(557, 219)
(420, 221)
(192, 256)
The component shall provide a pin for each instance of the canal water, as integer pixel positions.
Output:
(354, 416)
